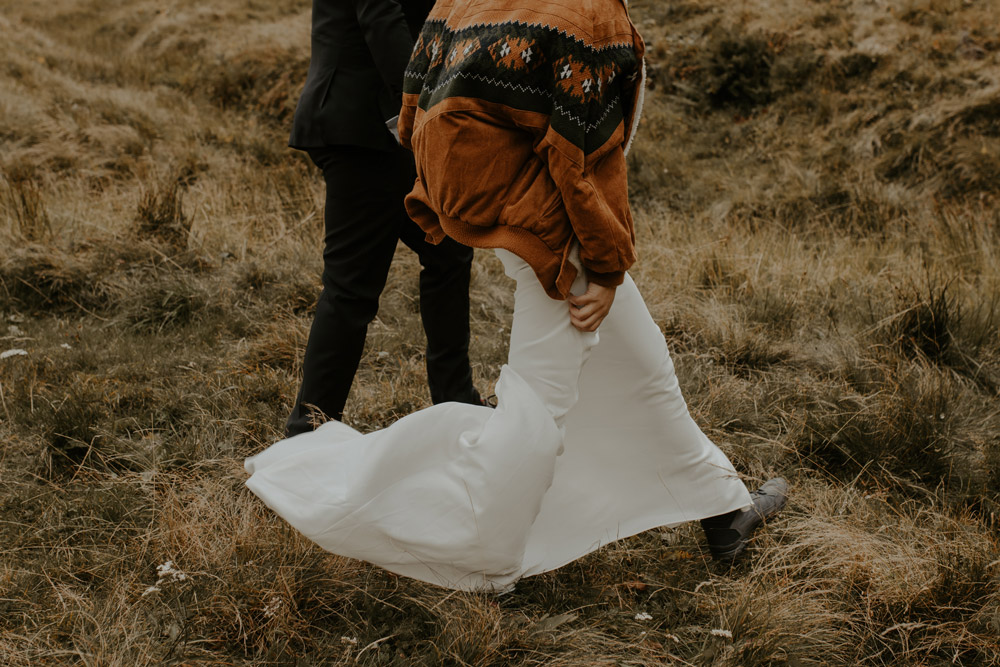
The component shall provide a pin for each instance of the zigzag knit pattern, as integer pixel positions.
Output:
(529, 67)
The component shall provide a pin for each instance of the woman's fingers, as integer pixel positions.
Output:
(588, 312)
(590, 295)
(583, 312)
(590, 324)
(589, 309)
(588, 318)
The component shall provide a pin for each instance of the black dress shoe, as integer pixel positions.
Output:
(728, 534)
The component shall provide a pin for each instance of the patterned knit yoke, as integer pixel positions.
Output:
(532, 67)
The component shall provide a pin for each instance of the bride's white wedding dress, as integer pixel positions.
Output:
(590, 442)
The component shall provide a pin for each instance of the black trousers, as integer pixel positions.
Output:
(365, 219)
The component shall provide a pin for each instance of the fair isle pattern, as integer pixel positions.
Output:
(529, 67)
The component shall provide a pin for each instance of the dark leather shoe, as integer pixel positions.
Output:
(728, 534)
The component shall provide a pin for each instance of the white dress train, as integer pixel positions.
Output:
(591, 442)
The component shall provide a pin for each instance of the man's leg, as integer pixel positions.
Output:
(444, 310)
(362, 226)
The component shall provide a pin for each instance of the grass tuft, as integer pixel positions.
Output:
(160, 214)
(22, 203)
(738, 71)
(923, 328)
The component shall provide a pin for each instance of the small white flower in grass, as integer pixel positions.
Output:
(719, 632)
(167, 572)
(273, 606)
(16, 352)
(643, 616)
(66, 346)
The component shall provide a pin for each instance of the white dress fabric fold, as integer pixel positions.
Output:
(591, 441)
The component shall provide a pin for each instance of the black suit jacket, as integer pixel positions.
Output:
(355, 83)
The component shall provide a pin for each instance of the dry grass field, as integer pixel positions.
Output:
(816, 194)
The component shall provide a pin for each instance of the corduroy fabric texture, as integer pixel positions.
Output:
(518, 113)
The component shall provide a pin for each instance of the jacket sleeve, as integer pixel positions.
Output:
(584, 148)
(389, 41)
(595, 195)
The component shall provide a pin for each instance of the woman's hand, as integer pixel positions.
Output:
(589, 309)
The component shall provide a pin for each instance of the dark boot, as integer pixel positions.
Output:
(729, 533)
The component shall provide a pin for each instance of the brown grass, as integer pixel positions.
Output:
(815, 198)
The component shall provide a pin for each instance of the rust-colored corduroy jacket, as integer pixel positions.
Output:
(519, 114)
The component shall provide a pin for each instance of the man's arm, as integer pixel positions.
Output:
(388, 37)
